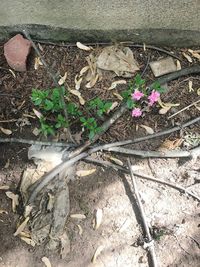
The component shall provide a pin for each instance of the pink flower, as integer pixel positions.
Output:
(154, 96)
(137, 95)
(136, 112)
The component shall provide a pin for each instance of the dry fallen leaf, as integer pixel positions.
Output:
(80, 229)
(164, 110)
(178, 65)
(190, 83)
(198, 91)
(78, 216)
(117, 161)
(98, 218)
(119, 60)
(25, 234)
(3, 212)
(15, 199)
(171, 145)
(78, 82)
(62, 79)
(21, 227)
(118, 96)
(194, 53)
(36, 131)
(83, 70)
(82, 173)
(83, 47)
(97, 253)
(168, 104)
(189, 59)
(78, 94)
(37, 113)
(65, 245)
(46, 261)
(5, 131)
(4, 187)
(37, 63)
(40, 47)
(148, 129)
(92, 82)
(115, 83)
(7, 164)
(113, 106)
(12, 72)
(29, 241)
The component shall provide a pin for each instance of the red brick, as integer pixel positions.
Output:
(16, 51)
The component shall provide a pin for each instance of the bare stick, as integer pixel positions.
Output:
(151, 154)
(55, 80)
(185, 108)
(150, 247)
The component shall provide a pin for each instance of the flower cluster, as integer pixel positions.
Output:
(137, 95)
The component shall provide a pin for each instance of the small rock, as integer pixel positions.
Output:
(163, 66)
(16, 51)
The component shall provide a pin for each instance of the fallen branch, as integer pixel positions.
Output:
(152, 154)
(55, 80)
(150, 242)
(101, 147)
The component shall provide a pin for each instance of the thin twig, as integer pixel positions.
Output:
(129, 43)
(183, 109)
(11, 120)
(150, 242)
(153, 48)
(146, 66)
(151, 154)
(55, 80)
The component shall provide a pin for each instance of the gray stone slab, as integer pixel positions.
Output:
(163, 66)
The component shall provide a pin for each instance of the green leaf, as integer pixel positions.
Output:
(139, 81)
(107, 106)
(157, 87)
(125, 94)
(99, 112)
(82, 119)
(130, 103)
(48, 104)
(91, 135)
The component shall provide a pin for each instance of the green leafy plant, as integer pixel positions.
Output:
(137, 96)
(49, 103)
(91, 125)
(99, 106)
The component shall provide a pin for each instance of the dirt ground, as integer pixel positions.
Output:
(173, 216)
